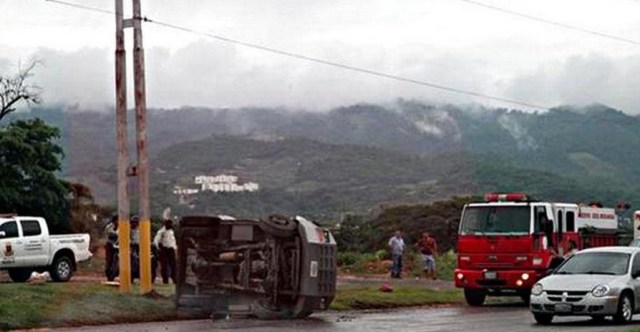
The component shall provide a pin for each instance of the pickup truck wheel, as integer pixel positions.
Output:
(19, 275)
(62, 269)
(475, 297)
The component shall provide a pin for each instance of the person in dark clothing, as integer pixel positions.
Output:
(110, 247)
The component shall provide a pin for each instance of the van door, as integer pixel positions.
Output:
(35, 243)
(9, 242)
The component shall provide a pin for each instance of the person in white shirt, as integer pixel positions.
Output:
(165, 241)
(396, 244)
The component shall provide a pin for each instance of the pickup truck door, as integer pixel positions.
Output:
(35, 249)
(9, 241)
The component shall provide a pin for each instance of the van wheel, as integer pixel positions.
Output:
(279, 225)
(624, 314)
(19, 275)
(475, 297)
(62, 269)
(543, 319)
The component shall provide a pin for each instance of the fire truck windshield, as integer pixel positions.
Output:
(503, 220)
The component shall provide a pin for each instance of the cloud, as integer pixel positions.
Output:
(213, 74)
(585, 79)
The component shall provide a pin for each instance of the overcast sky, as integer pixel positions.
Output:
(447, 42)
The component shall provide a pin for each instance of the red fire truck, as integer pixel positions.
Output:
(510, 241)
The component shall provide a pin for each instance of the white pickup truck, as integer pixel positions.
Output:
(26, 246)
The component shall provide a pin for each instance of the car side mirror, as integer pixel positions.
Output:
(3, 234)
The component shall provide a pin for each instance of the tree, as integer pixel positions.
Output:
(29, 160)
(14, 89)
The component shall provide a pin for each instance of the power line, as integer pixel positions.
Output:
(79, 6)
(558, 24)
(318, 60)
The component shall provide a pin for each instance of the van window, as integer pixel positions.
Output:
(30, 227)
(10, 229)
(571, 221)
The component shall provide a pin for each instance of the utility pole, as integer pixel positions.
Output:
(124, 229)
(143, 156)
(142, 169)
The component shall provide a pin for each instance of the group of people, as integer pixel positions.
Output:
(428, 248)
(164, 246)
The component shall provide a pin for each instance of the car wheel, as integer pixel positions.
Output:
(475, 297)
(543, 319)
(624, 314)
(19, 275)
(62, 269)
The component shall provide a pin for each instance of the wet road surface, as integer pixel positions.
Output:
(496, 318)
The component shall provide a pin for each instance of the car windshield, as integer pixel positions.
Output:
(505, 220)
(613, 263)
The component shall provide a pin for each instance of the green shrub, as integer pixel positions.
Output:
(347, 258)
(382, 254)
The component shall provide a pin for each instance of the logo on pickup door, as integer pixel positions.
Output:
(8, 250)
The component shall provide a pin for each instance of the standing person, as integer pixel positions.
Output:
(396, 244)
(110, 247)
(165, 241)
(134, 242)
(429, 250)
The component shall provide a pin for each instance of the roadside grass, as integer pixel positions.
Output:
(354, 297)
(73, 304)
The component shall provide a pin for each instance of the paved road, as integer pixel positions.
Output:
(497, 318)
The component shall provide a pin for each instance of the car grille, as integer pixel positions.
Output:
(574, 308)
(568, 296)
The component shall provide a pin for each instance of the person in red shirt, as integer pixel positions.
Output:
(429, 249)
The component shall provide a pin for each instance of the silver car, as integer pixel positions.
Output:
(595, 282)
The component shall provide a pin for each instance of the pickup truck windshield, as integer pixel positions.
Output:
(504, 220)
(613, 263)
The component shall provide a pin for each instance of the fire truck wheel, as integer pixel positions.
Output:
(543, 319)
(475, 297)
(19, 275)
(525, 296)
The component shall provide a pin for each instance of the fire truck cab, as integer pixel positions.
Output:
(510, 241)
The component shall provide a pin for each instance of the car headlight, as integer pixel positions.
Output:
(600, 290)
(536, 289)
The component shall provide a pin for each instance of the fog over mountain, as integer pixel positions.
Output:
(357, 156)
